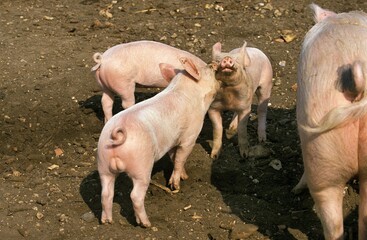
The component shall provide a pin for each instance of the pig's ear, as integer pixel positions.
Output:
(246, 58)
(168, 71)
(217, 48)
(320, 13)
(190, 68)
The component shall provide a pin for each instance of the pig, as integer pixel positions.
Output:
(170, 122)
(122, 67)
(332, 115)
(242, 72)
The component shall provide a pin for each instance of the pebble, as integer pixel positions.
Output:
(276, 164)
(277, 82)
(297, 234)
(259, 151)
(39, 215)
(242, 231)
(88, 217)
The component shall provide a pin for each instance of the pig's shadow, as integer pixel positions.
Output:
(93, 104)
(90, 190)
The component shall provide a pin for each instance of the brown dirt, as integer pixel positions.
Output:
(50, 102)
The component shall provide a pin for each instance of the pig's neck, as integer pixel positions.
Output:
(185, 90)
(238, 78)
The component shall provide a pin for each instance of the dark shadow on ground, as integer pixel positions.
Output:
(90, 190)
(260, 194)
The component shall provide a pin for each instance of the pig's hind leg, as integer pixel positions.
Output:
(328, 205)
(263, 95)
(141, 180)
(126, 93)
(107, 103)
(108, 186)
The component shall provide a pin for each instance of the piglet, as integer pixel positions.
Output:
(332, 115)
(242, 72)
(170, 122)
(123, 66)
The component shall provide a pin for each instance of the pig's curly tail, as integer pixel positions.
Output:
(97, 57)
(118, 136)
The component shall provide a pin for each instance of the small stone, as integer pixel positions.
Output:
(39, 215)
(268, 6)
(277, 13)
(259, 151)
(282, 63)
(53, 167)
(277, 82)
(297, 234)
(63, 218)
(276, 164)
(88, 217)
(80, 150)
(242, 231)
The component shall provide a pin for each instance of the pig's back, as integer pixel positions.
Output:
(139, 61)
(329, 49)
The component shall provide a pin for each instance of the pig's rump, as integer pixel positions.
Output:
(332, 73)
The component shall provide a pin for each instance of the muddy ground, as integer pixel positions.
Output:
(51, 118)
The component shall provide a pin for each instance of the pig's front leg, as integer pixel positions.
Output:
(179, 172)
(216, 119)
(242, 132)
(172, 155)
(232, 130)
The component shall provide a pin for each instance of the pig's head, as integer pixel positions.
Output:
(204, 77)
(231, 66)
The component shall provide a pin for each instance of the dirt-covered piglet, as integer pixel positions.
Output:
(170, 122)
(123, 66)
(242, 72)
(332, 114)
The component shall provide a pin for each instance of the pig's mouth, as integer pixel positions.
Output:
(228, 70)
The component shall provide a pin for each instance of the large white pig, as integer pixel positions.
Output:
(332, 114)
(123, 66)
(170, 122)
(243, 72)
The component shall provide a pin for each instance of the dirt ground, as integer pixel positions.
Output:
(51, 118)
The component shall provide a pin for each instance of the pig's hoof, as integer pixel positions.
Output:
(145, 225)
(244, 153)
(175, 188)
(230, 133)
(244, 150)
(214, 155)
(299, 188)
(106, 221)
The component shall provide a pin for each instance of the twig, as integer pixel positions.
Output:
(166, 189)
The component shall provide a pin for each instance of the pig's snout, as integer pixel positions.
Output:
(227, 64)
